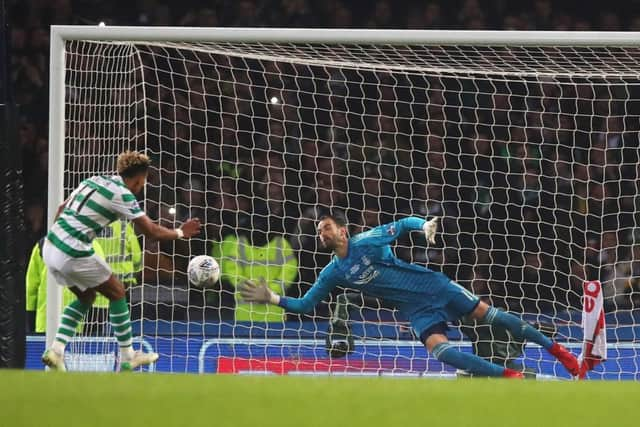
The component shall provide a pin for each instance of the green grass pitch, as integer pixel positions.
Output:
(29, 398)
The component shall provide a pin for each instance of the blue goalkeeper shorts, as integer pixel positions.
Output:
(453, 302)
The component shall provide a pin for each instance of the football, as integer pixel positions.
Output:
(203, 271)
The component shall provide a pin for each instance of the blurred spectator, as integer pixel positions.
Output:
(122, 252)
(381, 15)
(295, 13)
(426, 16)
(205, 17)
(260, 255)
(258, 248)
(35, 220)
(542, 15)
(158, 263)
(471, 15)
(609, 21)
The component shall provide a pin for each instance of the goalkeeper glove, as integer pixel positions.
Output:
(339, 341)
(259, 293)
(430, 227)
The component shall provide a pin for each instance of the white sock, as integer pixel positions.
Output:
(58, 347)
(126, 353)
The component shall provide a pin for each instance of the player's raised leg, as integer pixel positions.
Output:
(522, 330)
(437, 343)
(121, 322)
(71, 317)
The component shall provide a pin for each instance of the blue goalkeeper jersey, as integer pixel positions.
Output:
(371, 267)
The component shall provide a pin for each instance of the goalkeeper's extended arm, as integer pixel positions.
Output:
(387, 233)
(260, 293)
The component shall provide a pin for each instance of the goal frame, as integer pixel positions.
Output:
(60, 34)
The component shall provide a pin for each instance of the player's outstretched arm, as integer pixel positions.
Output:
(260, 293)
(388, 233)
(190, 228)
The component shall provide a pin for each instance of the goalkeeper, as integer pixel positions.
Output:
(427, 298)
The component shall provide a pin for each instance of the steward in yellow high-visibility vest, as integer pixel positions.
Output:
(274, 263)
(36, 287)
(122, 251)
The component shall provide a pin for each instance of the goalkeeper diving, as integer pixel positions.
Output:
(428, 299)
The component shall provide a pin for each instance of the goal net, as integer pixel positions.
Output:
(525, 144)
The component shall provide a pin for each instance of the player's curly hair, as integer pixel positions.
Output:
(132, 163)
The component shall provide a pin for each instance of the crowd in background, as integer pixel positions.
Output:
(536, 181)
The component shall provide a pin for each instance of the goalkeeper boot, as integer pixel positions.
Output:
(54, 360)
(568, 360)
(139, 359)
(512, 373)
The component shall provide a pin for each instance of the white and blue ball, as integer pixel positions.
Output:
(203, 271)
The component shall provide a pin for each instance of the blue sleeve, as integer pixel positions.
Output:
(387, 233)
(321, 288)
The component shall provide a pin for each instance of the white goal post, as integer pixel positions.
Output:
(523, 141)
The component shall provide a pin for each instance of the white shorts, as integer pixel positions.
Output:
(83, 273)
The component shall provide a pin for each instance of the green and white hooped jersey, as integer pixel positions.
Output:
(96, 203)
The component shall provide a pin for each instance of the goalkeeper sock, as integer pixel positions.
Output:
(119, 316)
(71, 317)
(471, 363)
(520, 329)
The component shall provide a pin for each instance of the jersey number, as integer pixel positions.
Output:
(81, 202)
